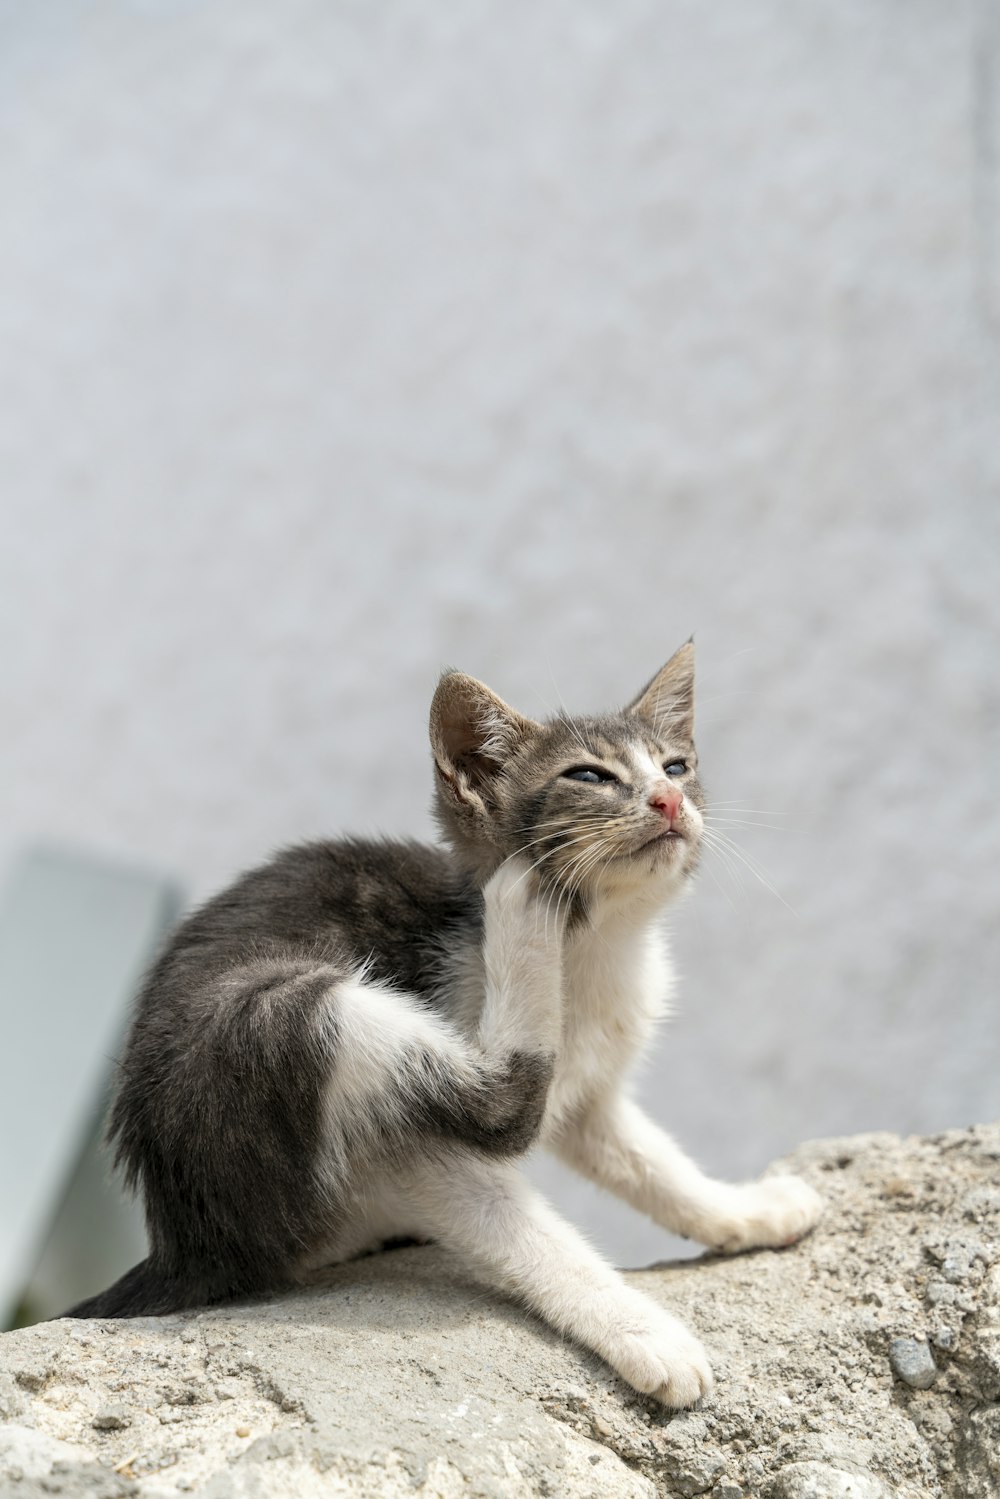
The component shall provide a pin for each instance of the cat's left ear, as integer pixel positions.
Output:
(668, 701)
(473, 734)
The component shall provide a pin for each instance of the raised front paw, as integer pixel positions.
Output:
(520, 906)
(514, 886)
(767, 1214)
(664, 1360)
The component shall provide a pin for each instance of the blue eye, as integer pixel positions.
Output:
(591, 775)
(675, 767)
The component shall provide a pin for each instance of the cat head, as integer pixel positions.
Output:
(595, 803)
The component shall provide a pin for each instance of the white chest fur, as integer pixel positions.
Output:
(616, 985)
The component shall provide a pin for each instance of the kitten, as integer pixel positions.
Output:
(359, 1040)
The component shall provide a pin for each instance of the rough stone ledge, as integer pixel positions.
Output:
(862, 1364)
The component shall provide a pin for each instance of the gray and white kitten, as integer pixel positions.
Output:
(361, 1040)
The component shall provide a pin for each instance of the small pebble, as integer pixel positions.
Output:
(913, 1362)
(111, 1418)
(600, 1426)
(242, 1431)
(957, 1268)
(897, 1186)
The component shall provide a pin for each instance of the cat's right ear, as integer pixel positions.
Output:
(668, 700)
(473, 735)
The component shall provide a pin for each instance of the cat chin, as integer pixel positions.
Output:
(666, 853)
(648, 875)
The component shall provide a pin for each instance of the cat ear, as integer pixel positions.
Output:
(473, 734)
(668, 701)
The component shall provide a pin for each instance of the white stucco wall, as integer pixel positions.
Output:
(339, 342)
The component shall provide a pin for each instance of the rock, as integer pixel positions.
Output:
(33, 1372)
(727, 1490)
(399, 1376)
(977, 1455)
(12, 1400)
(944, 1337)
(111, 1418)
(820, 1481)
(700, 1472)
(34, 1465)
(913, 1362)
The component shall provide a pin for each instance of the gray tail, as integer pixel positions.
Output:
(142, 1291)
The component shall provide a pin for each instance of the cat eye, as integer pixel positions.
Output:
(675, 767)
(591, 775)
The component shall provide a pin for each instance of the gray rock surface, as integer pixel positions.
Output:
(399, 1376)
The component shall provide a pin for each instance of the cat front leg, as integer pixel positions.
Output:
(522, 959)
(506, 1231)
(400, 1069)
(615, 1144)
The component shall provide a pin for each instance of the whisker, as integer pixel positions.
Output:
(737, 806)
(558, 848)
(720, 886)
(556, 825)
(721, 840)
(729, 864)
(577, 872)
(585, 749)
(741, 822)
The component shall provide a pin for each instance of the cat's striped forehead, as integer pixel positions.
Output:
(623, 742)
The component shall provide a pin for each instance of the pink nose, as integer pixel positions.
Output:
(667, 802)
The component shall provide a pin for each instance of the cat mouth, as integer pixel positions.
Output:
(667, 835)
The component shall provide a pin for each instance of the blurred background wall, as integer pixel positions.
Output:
(340, 342)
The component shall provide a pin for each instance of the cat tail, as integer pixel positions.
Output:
(143, 1291)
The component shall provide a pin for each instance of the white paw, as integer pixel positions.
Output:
(767, 1214)
(518, 903)
(514, 886)
(662, 1359)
